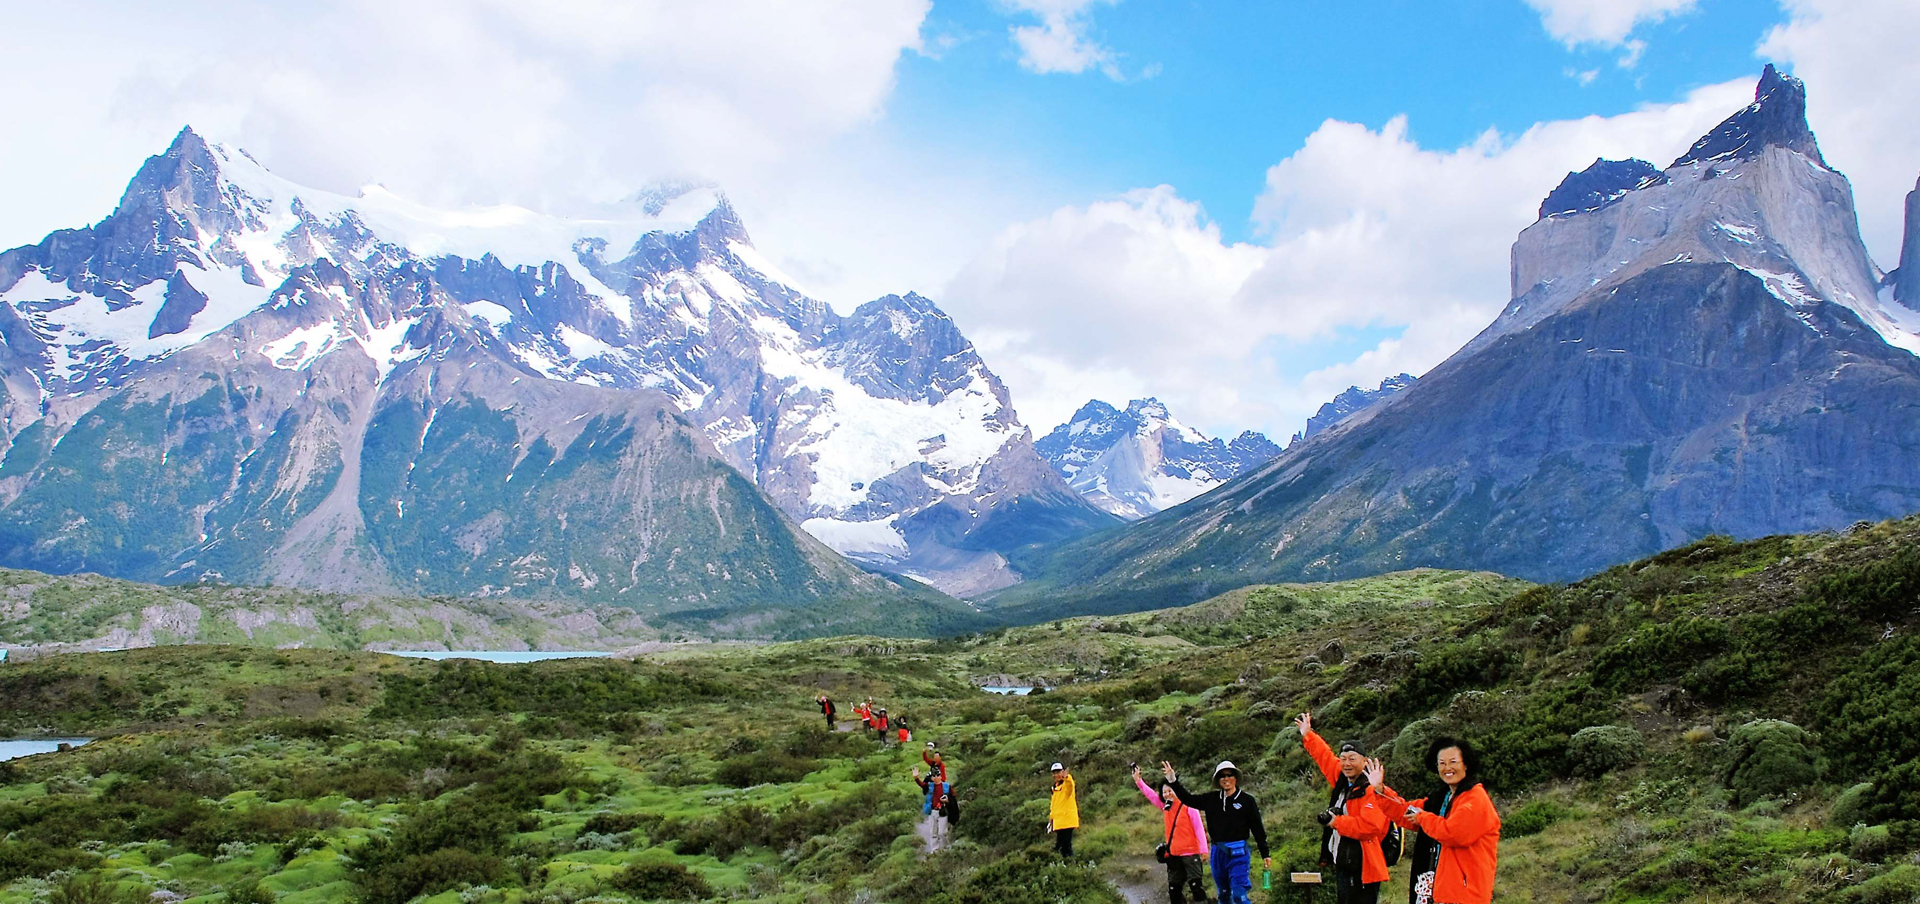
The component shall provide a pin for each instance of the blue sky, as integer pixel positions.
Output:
(1235, 86)
(1238, 207)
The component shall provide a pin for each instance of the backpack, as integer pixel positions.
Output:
(952, 809)
(1390, 846)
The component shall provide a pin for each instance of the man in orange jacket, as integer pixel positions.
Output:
(1355, 821)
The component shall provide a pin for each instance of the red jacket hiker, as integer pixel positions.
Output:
(935, 764)
(1469, 837)
(1366, 819)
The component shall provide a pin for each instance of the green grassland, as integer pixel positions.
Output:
(1724, 721)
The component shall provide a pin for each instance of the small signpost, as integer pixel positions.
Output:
(1304, 886)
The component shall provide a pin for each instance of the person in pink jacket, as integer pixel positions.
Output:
(1185, 834)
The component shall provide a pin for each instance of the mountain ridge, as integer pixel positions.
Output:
(1733, 372)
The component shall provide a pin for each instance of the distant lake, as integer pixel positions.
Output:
(1013, 691)
(13, 750)
(501, 655)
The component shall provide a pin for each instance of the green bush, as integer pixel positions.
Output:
(1027, 877)
(1900, 885)
(1597, 750)
(249, 891)
(1770, 758)
(95, 890)
(31, 857)
(1870, 843)
(1532, 819)
(1408, 749)
(1849, 807)
(776, 767)
(662, 881)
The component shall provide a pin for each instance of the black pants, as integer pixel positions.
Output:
(830, 725)
(1187, 873)
(1063, 842)
(1348, 889)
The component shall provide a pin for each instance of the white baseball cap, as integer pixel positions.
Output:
(1057, 767)
(1224, 766)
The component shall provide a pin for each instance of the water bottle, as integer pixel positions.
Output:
(1266, 880)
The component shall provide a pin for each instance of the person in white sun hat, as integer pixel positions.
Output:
(1063, 811)
(1233, 817)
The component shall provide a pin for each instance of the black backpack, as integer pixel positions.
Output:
(1390, 846)
(952, 808)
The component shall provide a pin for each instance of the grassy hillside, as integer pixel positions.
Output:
(43, 613)
(1723, 721)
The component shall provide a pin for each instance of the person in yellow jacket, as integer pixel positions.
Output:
(1063, 814)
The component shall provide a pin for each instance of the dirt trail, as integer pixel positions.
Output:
(1138, 879)
(932, 840)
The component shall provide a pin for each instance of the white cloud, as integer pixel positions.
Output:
(1863, 86)
(1605, 22)
(550, 105)
(1060, 42)
(1362, 228)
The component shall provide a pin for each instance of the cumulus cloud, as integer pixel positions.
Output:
(1362, 229)
(550, 105)
(1060, 43)
(1607, 23)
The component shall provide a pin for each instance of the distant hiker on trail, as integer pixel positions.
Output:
(906, 736)
(865, 712)
(1183, 841)
(826, 709)
(880, 725)
(1458, 818)
(1233, 817)
(1355, 821)
(1063, 811)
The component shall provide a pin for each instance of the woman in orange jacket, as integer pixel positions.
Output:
(1462, 820)
(1355, 821)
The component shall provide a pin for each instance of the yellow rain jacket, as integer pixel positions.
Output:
(1064, 812)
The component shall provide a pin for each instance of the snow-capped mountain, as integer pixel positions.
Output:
(314, 325)
(1700, 349)
(1349, 403)
(1139, 461)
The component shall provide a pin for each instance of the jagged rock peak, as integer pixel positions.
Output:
(1777, 116)
(1599, 185)
(1906, 279)
(1349, 403)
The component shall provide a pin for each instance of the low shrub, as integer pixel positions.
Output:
(1770, 758)
(249, 891)
(1597, 750)
(1849, 807)
(1532, 819)
(662, 881)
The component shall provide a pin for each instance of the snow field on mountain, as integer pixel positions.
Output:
(856, 438)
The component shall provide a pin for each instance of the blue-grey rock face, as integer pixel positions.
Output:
(1597, 186)
(1776, 118)
(1139, 461)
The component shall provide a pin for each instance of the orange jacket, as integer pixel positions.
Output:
(1469, 837)
(1183, 828)
(1366, 819)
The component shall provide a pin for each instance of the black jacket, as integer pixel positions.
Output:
(1228, 818)
(1349, 859)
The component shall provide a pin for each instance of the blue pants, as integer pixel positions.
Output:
(1232, 872)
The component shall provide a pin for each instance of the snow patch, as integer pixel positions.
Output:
(859, 538)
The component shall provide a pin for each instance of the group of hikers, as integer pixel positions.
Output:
(872, 718)
(1363, 830)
